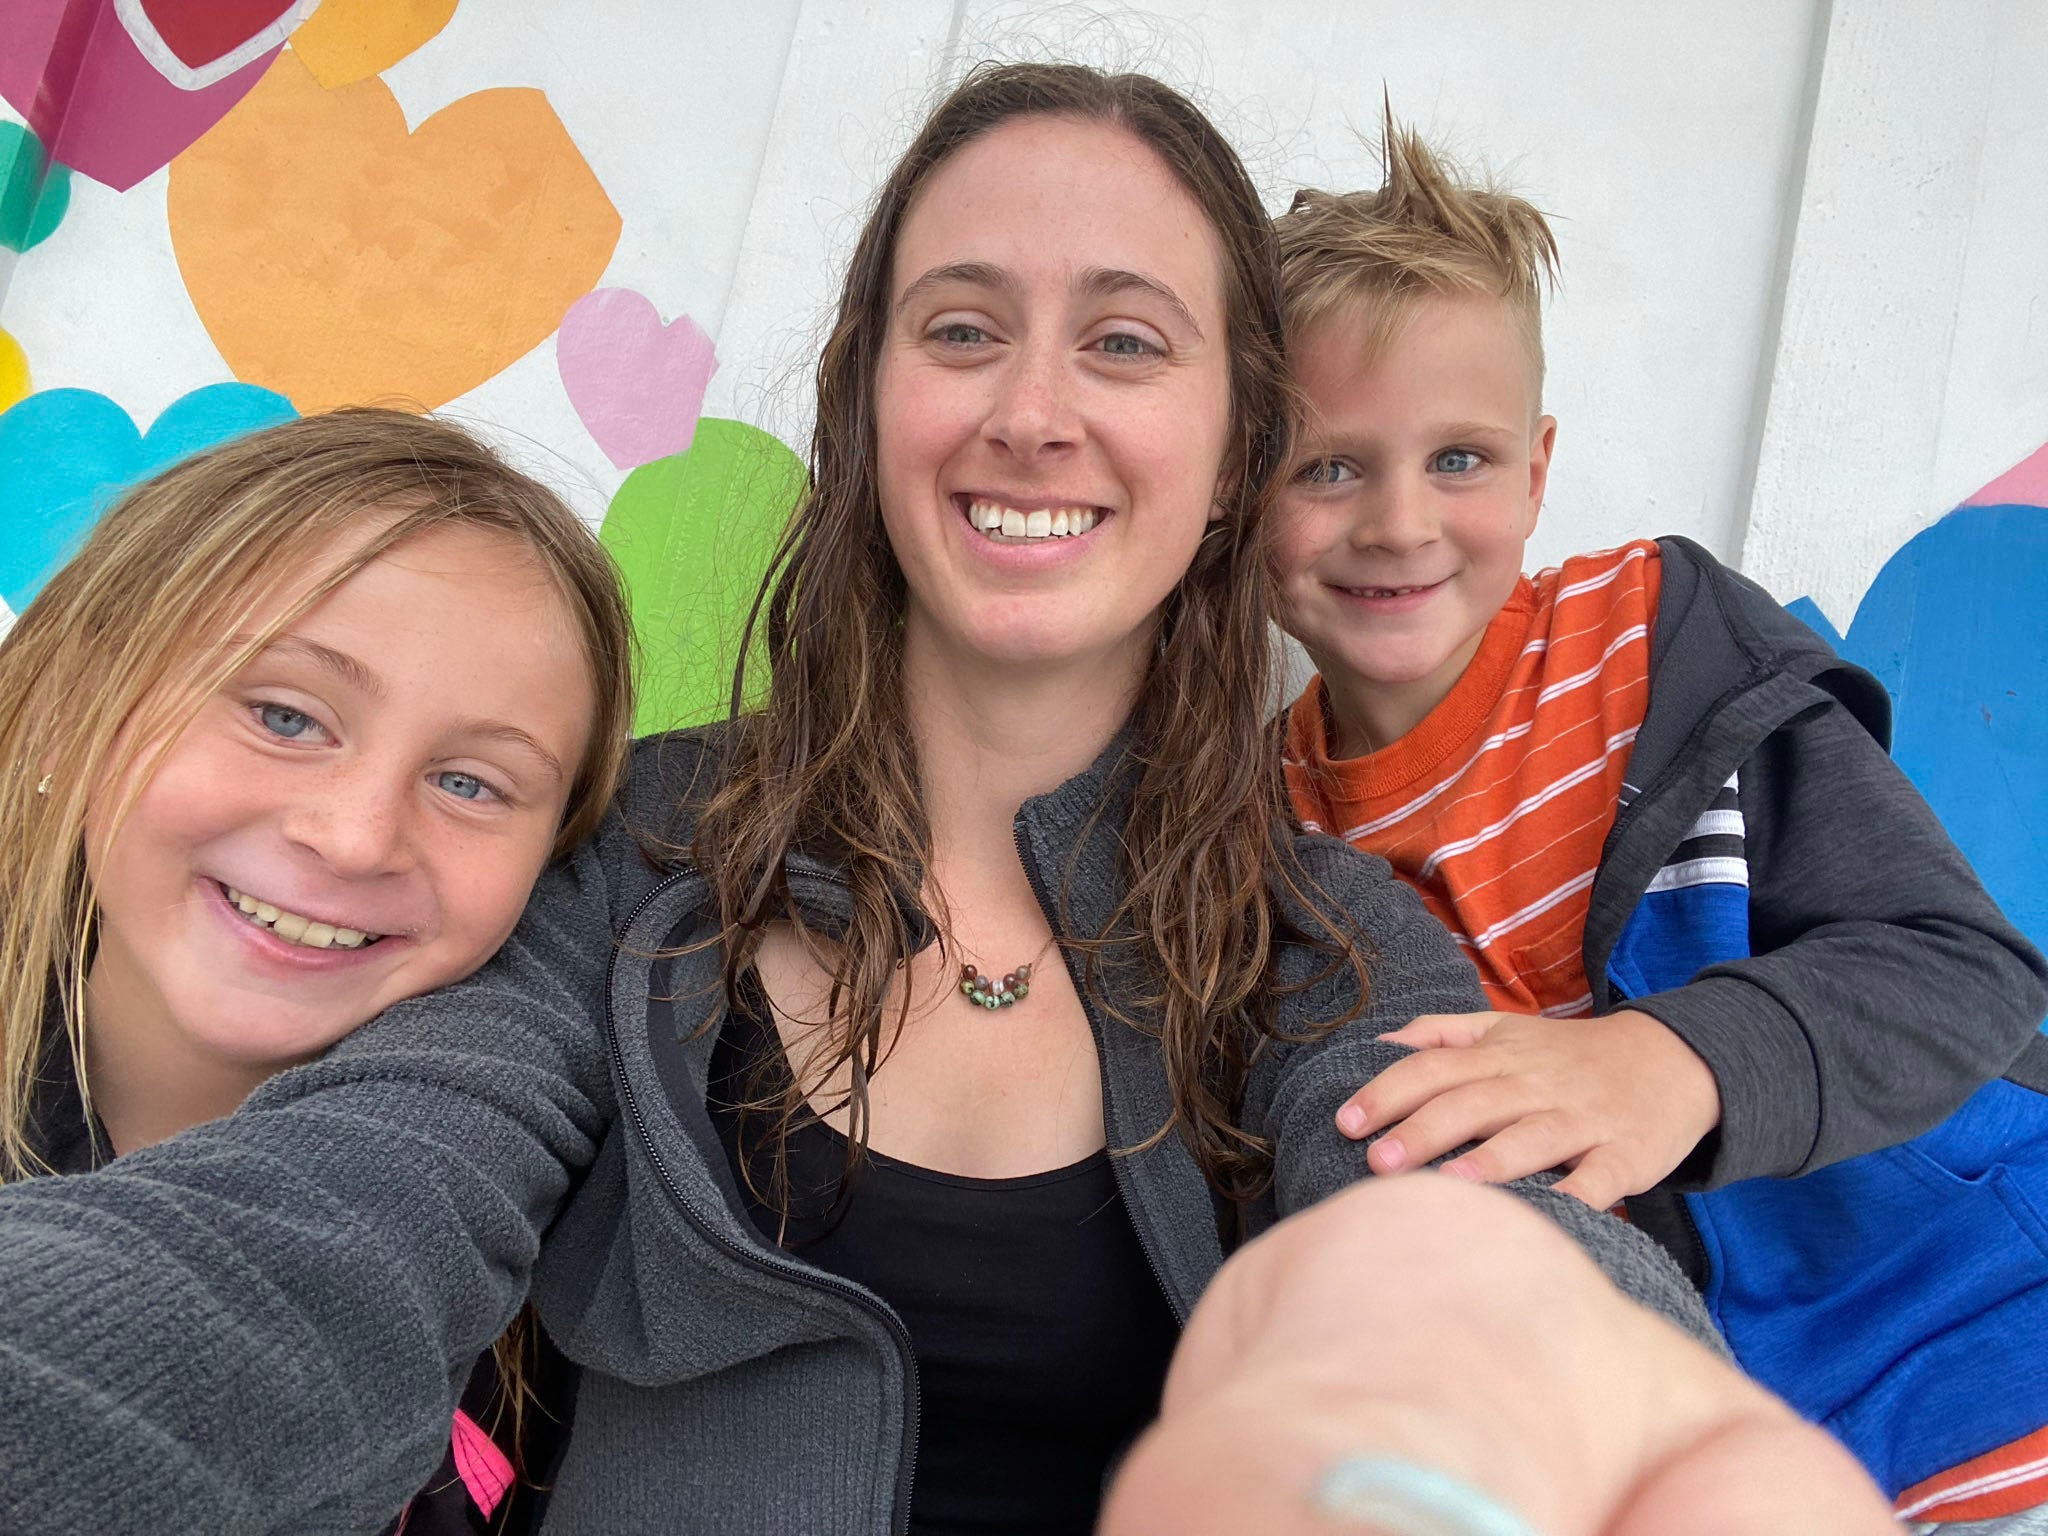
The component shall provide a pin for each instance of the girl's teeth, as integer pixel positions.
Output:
(297, 929)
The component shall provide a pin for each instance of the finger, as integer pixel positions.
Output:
(1431, 1030)
(1757, 1476)
(1532, 1144)
(1601, 1179)
(1468, 1113)
(1406, 1086)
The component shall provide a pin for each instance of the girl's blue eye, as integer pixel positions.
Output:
(463, 786)
(281, 720)
(1455, 461)
(1325, 472)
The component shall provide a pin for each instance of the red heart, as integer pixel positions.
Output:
(200, 31)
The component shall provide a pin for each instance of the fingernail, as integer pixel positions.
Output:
(1351, 1120)
(1392, 1156)
(1404, 1499)
(1463, 1170)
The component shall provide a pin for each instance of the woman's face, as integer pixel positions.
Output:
(357, 817)
(1053, 395)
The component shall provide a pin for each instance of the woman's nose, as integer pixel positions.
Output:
(1034, 410)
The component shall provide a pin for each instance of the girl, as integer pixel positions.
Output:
(293, 735)
(977, 996)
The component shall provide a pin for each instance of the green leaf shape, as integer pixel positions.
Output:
(694, 534)
(34, 193)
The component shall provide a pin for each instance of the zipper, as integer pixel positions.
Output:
(899, 1520)
(1139, 1219)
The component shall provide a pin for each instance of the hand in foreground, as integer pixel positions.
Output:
(1453, 1332)
(1619, 1100)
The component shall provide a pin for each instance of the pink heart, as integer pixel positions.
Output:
(97, 104)
(637, 384)
(2024, 485)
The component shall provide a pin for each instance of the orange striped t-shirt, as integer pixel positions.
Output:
(1497, 805)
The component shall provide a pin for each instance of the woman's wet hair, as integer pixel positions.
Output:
(827, 764)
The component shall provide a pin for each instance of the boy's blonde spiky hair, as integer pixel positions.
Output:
(1430, 229)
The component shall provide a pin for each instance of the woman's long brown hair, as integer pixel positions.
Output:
(828, 764)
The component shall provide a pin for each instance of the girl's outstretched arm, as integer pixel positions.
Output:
(262, 1324)
(1421, 1355)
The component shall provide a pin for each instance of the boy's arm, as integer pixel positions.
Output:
(1415, 969)
(1885, 986)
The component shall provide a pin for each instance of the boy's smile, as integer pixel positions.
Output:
(1402, 527)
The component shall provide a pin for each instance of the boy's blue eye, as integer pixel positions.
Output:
(281, 720)
(1455, 461)
(463, 786)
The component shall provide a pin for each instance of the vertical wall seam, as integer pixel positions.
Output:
(1781, 279)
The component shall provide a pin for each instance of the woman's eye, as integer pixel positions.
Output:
(1124, 344)
(1456, 461)
(465, 786)
(958, 333)
(282, 720)
(1325, 472)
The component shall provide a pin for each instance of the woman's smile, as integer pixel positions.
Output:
(1053, 397)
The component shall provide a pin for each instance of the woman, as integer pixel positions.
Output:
(1019, 665)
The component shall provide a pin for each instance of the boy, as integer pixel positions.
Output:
(1726, 940)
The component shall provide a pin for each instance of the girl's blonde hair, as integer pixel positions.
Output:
(160, 608)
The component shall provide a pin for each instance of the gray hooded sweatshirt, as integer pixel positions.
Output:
(262, 1324)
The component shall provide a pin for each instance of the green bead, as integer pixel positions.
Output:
(992, 1002)
(1023, 990)
(967, 987)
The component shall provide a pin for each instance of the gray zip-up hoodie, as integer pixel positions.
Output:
(261, 1325)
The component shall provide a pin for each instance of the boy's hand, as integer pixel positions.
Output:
(1619, 1100)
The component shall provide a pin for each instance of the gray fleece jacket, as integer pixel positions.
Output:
(262, 1324)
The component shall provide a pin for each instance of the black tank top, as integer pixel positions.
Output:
(1041, 1335)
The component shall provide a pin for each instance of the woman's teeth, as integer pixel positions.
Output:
(995, 519)
(297, 929)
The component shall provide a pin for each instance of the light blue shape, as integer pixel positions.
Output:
(1956, 628)
(65, 454)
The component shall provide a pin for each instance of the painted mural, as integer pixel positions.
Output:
(335, 255)
(333, 251)
(1956, 628)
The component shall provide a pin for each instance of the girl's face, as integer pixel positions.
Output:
(1053, 394)
(356, 818)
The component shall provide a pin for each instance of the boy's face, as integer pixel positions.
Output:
(1403, 523)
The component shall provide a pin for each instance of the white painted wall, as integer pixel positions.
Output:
(1803, 241)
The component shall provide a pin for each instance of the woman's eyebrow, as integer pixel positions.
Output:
(1104, 282)
(974, 274)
